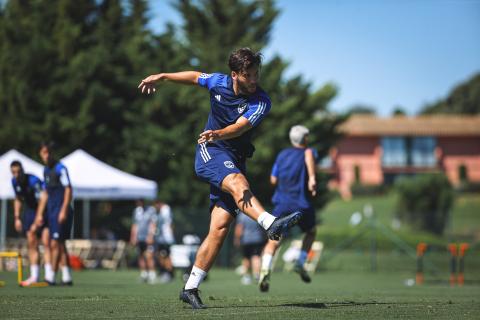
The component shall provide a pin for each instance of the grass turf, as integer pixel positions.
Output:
(331, 295)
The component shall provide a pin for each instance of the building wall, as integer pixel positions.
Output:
(364, 152)
(455, 152)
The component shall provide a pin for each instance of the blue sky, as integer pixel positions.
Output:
(380, 53)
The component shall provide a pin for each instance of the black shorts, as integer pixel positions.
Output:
(252, 249)
(142, 246)
(163, 249)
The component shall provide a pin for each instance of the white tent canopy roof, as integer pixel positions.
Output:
(29, 166)
(94, 179)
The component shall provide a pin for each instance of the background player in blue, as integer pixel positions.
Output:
(27, 188)
(251, 237)
(56, 199)
(238, 105)
(293, 174)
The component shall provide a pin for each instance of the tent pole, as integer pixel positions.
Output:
(86, 218)
(3, 225)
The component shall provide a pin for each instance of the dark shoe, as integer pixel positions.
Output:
(281, 225)
(191, 297)
(51, 283)
(264, 283)
(66, 283)
(303, 274)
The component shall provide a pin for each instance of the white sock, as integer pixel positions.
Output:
(66, 276)
(34, 270)
(144, 274)
(302, 258)
(152, 275)
(196, 277)
(49, 276)
(267, 262)
(265, 220)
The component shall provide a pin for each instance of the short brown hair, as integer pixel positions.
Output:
(243, 59)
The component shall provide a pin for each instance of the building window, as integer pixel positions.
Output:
(423, 151)
(394, 152)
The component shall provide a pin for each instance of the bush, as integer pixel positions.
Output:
(468, 187)
(425, 201)
(359, 189)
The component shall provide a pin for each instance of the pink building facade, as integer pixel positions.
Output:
(377, 151)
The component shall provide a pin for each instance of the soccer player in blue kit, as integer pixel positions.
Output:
(27, 188)
(238, 106)
(293, 174)
(56, 199)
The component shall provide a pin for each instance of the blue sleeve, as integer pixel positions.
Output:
(63, 174)
(315, 154)
(209, 80)
(275, 170)
(36, 183)
(257, 111)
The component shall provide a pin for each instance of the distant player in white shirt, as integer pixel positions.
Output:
(164, 239)
(142, 236)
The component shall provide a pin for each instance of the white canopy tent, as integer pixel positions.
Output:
(91, 179)
(6, 190)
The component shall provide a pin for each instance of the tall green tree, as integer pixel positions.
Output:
(463, 99)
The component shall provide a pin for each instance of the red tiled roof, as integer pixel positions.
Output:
(431, 125)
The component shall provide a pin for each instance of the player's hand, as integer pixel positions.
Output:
(208, 136)
(148, 84)
(18, 225)
(62, 217)
(312, 186)
(38, 222)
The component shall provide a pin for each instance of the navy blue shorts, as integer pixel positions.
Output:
(59, 231)
(306, 222)
(28, 219)
(212, 165)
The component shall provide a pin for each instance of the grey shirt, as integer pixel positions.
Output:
(252, 231)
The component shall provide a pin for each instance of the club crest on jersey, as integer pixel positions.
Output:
(218, 97)
(229, 164)
(242, 107)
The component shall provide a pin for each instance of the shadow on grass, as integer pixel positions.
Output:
(310, 305)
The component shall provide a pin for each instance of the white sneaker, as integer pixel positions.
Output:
(28, 282)
(246, 279)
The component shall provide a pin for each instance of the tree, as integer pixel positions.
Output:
(463, 99)
(361, 109)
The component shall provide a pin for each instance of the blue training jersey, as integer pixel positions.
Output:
(226, 108)
(56, 180)
(28, 190)
(292, 178)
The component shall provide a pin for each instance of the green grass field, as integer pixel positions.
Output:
(331, 295)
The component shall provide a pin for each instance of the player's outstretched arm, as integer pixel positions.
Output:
(184, 77)
(232, 131)
(310, 163)
(17, 209)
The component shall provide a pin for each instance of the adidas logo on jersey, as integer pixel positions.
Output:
(218, 97)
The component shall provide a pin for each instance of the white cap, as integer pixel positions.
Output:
(297, 134)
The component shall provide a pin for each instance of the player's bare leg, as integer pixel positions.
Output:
(266, 265)
(33, 256)
(307, 242)
(150, 264)
(237, 185)
(47, 256)
(207, 253)
(65, 265)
